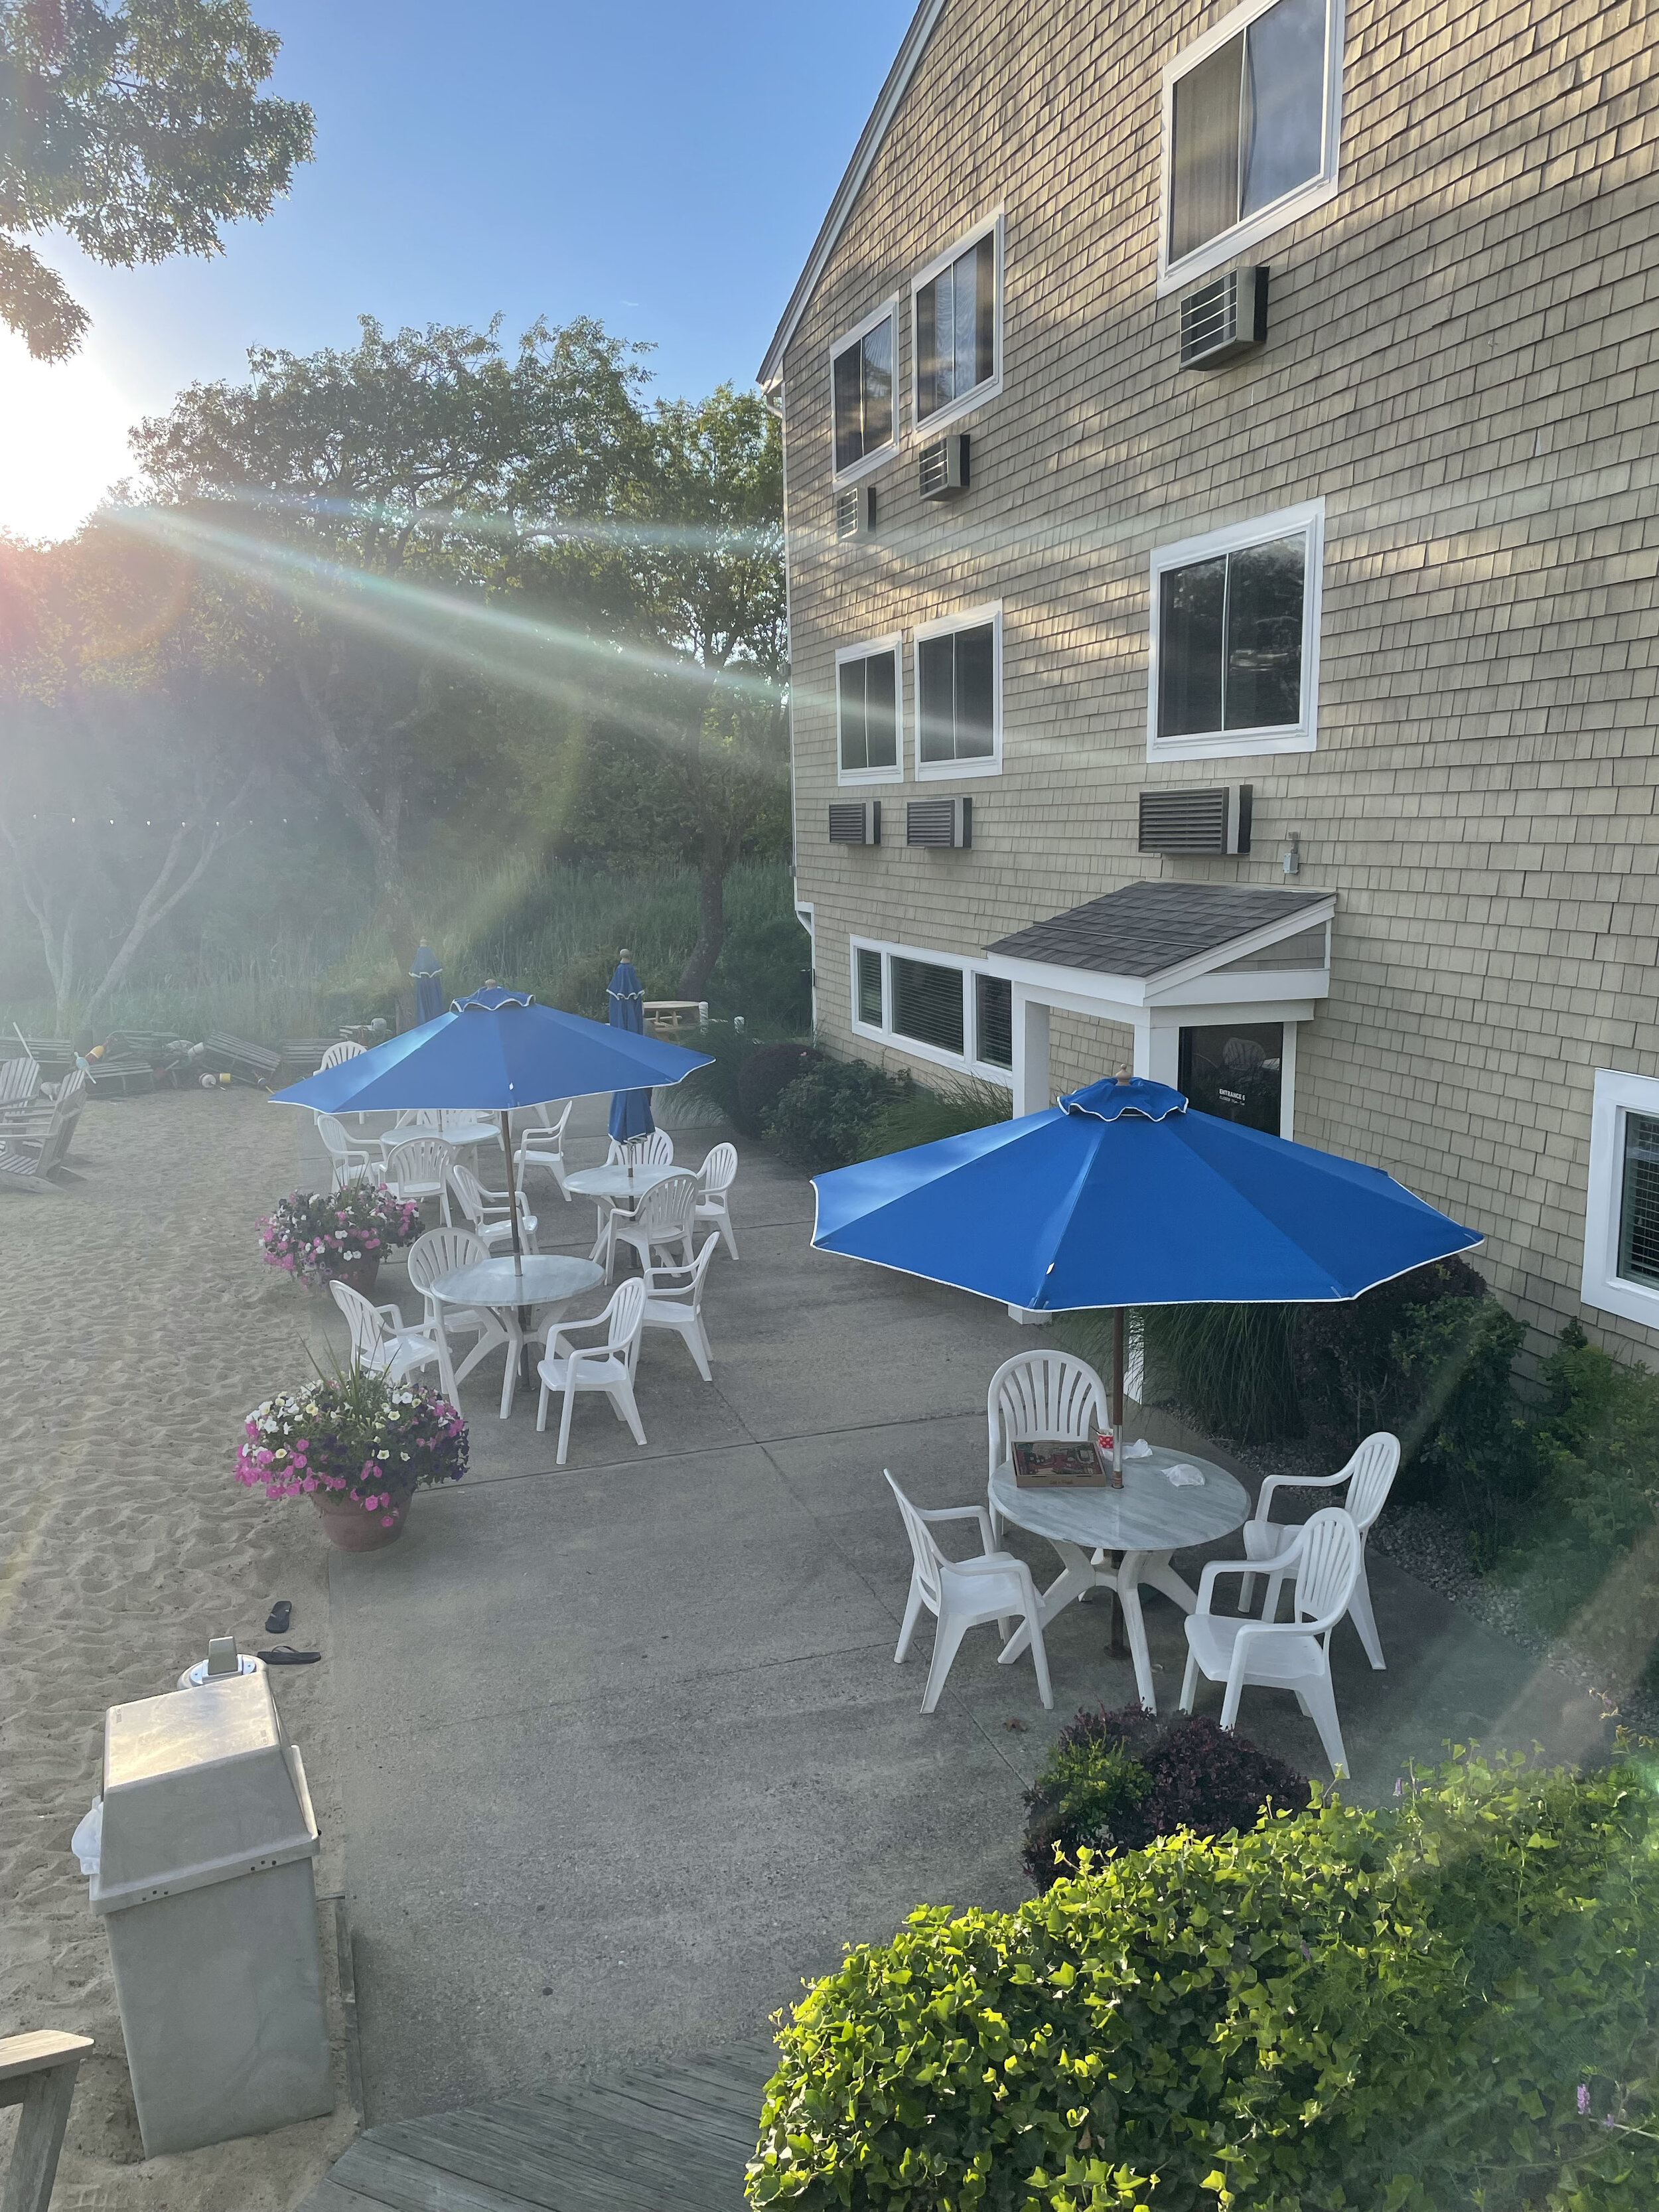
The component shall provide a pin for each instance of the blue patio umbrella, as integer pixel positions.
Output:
(428, 999)
(1120, 1196)
(490, 1054)
(624, 1002)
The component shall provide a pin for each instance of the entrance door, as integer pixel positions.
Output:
(1235, 1070)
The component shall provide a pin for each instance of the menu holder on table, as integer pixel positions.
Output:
(1063, 1466)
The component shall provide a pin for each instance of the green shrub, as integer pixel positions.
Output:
(765, 1075)
(825, 1117)
(1114, 1781)
(924, 1112)
(1395, 2010)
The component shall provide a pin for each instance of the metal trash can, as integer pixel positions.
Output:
(205, 1879)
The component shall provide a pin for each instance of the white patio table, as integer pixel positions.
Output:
(506, 1288)
(463, 1131)
(1142, 1525)
(618, 1181)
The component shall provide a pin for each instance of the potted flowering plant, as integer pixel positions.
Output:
(359, 1446)
(318, 1235)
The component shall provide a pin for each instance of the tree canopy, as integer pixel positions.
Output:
(137, 128)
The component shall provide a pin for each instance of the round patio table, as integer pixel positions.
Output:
(1137, 1527)
(506, 1288)
(618, 1182)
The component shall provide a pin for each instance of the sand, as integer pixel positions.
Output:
(138, 1323)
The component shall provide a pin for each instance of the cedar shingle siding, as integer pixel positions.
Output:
(1461, 362)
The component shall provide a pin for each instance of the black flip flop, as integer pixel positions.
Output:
(279, 1617)
(286, 1656)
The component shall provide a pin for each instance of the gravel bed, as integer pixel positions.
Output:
(1428, 1545)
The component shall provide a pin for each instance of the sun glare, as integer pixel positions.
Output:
(63, 440)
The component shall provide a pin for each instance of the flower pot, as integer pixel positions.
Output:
(350, 1529)
(361, 1274)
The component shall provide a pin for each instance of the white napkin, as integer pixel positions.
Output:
(1182, 1476)
(1140, 1449)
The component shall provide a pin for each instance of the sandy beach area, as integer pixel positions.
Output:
(138, 1323)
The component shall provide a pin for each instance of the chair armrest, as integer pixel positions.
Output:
(979, 1513)
(1206, 1580)
(1293, 1482)
(393, 1313)
(554, 1331)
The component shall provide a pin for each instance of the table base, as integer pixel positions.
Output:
(1121, 1574)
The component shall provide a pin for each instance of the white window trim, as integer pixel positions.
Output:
(943, 418)
(1602, 1286)
(895, 645)
(960, 1063)
(1230, 244)
(882, 454)
(1302, 736)
(955, 771)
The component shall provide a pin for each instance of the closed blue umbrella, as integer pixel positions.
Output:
(490, 1054)
(624, 1002)
(1120, 1196)
(428, 998)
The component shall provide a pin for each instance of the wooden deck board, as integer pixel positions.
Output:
(673, 2140)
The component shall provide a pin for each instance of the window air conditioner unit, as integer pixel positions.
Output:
(943, 823)
(944, 472)
(855, 822)
(855, 512)
(1224, 318)
(1188, 819)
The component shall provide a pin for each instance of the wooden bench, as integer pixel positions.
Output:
(37, 2072)
(234, 1056)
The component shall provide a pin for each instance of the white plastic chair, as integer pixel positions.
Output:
(714, 1180)
(348, 1161)
(487, 1211)
(542, 1145)
(418, 1168)
(661, 1222)
(381, 1343)
(1039, 1397)
(1369, 1476)
(347, 1048)
(609, 1366)
(655, 1150)
(1293, 1655)
(441, 1251)
(964, 1594)
(673, 1299)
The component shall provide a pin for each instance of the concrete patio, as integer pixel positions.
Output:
(627, 1758)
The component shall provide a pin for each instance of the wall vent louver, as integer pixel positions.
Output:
(855, 822)
(1224, 318)
(946, 824)
(855, 511)
(944, 467)
(1185, 818)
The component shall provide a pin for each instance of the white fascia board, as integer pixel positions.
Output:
(1202, 1014)
(864, 155)
(1209, 964)
(1080, 990)
(1086, 990)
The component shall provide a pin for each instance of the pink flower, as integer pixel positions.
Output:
(388, 1521)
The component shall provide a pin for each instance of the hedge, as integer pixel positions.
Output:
(1447, 2004)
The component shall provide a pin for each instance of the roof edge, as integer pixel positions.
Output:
(864, 154)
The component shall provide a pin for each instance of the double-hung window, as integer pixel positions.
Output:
(959, 695)
(861, 368)
(1251, 117)
(957, 308)
(868, 712)
(1235, 645)
(933, 1007)
(1621, 1227)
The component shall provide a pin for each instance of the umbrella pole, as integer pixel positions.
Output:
(518, 1248)
(1117, 1386)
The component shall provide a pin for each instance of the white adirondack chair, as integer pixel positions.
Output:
(1293, 1655)
(964, 1594)
(20, 1078)
(1369, 1476)
(542, 1145)
(609, 1367)
(487, 1211)
(381, 1343)
(661, 1222)
(673, 1299)
(714, 1180)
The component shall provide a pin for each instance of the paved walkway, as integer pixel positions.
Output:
(627, 1755)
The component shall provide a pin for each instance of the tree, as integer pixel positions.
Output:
(129, 756)
(710, 581)
(137, 128)
(360, 510)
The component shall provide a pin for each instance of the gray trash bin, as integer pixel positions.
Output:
(205, 1879)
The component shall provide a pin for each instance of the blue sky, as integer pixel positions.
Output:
(662, 166)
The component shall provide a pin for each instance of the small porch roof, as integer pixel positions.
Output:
(1137, 944)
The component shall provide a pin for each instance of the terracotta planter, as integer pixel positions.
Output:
(350, 1528)
(361, 1274)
